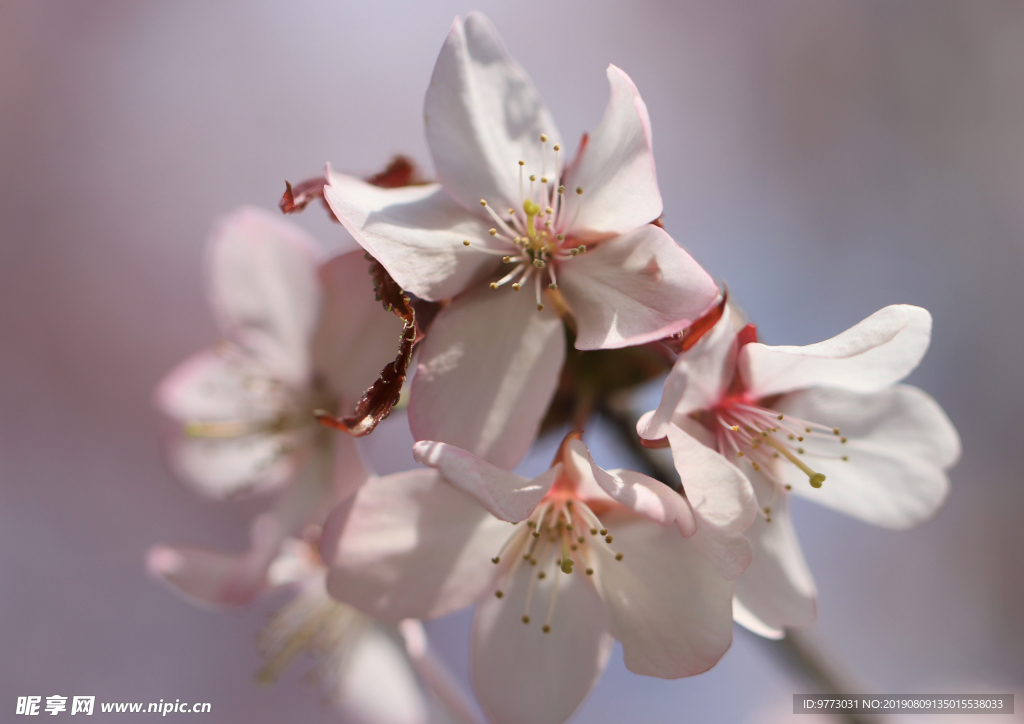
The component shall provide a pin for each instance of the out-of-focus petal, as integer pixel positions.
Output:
(215, 578)
(355, 337)
(483, 116)
(634, 288)
(720, 495)
(505, 495)
(521, 674)
(742, 616)
(220, 385)
(900, 443)
(616, 167)
(669, 606)
(410, 546)
(264, 290)
(416, 233)
(637, 492)
(377, 684)
(777, 590)
(486, 374)
(233, 467)
(698, 380)
(869, 356)
(435, 674)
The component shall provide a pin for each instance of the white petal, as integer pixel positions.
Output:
(486, 373)
(720, 495)
(752, 623)
(521, 674)
(900, 442)
(435, 675)
(483, 116)
(411, 546)
(871, 355)
(416, 233)
(637, 492)
(356, 338)
(616, 167)
(221, 385)
(669, 606)
(777, 590)
(215, 578)
(378, 685)
(505, 495)
(634, 288)
(234, 467)
(264, 289)
(699, 378)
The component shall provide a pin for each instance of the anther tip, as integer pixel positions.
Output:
(618, 556)
(546, 628)
(465, 242)
(495, 560)
(540, 307)
(590, 571)
(526, 619)
(494, 285)
(579, 190)
(499, 594)
(816, 480)
(543, 138)
(483, 202)
(522, 163)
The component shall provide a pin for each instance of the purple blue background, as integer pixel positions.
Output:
(822, 158)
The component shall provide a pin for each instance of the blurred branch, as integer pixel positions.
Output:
(796, 652)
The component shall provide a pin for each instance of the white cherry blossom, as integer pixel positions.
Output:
(592, 556)
(510, 215)
(826, 422)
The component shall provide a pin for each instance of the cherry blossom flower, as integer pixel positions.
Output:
(371, 673)
(300, 333)
(826, 422)
(510, 214)
(592, 556)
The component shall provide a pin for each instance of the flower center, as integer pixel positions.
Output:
(535, 233)
(552, 540)
(763, 437)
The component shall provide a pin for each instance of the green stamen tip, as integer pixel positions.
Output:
(567, 565)
(816, 480)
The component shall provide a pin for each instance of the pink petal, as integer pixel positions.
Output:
(411, 546)
(486, 373)
(669, 606)
(637, 492)
(874, 353)
(416, 233)
(633, 289)
(505, 495)
(355, 337)
(721, 497)
(215, 578)
(900, 443)
(698, 380)
(483, 116)
(521, 674)
(777, 590)
(264, 290)
(616, 168)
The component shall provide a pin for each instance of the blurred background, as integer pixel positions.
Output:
(824, 159)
